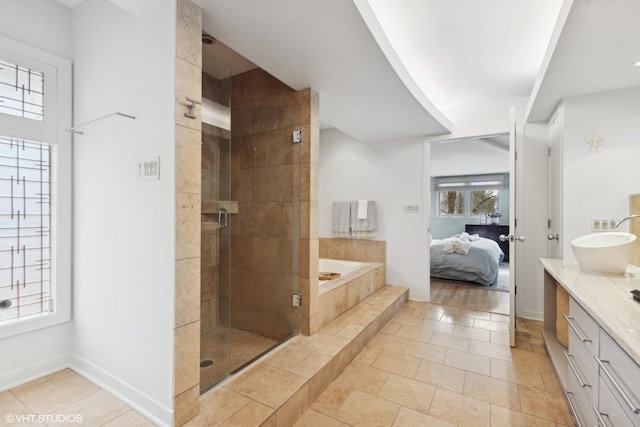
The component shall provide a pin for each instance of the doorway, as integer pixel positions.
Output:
(469, 211)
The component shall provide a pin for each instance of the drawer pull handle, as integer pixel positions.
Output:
(574, 328)
(619, 389)
(601, 421)
(567, 393)
(575, 371)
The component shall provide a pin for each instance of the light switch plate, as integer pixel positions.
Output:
(148, 169)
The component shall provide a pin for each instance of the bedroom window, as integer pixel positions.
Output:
(450, 203)
(468, 195)
(485, 201)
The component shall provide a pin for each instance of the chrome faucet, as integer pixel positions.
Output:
(617, 224)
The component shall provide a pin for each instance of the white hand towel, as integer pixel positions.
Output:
(362, 209)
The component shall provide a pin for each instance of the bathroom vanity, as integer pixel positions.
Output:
(600, 371)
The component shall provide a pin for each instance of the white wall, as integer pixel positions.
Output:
(391, 174)
(124, 229)
(44, 24)
(599, 183)
(31, 355)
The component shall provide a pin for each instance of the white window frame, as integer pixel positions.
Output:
(467, 184)
(57, 118)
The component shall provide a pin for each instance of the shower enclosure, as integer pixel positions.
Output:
(250, 226)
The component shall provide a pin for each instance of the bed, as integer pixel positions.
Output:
(481, 264)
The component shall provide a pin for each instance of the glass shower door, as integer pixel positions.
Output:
(215, 341)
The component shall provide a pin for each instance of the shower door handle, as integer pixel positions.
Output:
(222, 213)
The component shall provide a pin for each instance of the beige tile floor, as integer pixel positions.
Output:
(437, 365)
(63, 399)
(431, 365)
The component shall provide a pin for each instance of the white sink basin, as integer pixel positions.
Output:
(606, 252)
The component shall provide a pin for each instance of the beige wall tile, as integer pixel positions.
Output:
(293, 409)
(189, 32)
(187, 225)
(321, 380)
(342, 359)
(188, 163)
(251, 414)
(185, 406)
(187, 357)
(187, 291)
(188, 85)
(217, 407)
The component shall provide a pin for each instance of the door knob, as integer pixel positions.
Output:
(552, 236)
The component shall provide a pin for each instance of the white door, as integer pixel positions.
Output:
(513, 236)
(555, 186)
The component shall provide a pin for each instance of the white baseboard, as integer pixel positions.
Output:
(150, 408)
(34, 371)
(532, 315)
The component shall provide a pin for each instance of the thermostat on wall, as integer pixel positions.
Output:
(148, 169)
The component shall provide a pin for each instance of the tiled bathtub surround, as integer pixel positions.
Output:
(278, 389)
(353, 249)
(339, 295)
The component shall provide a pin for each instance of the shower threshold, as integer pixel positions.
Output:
(243, 349)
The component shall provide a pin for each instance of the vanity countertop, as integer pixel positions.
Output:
(606, 297)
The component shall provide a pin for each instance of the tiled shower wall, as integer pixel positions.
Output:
(273, 236)
(278, 184)
(187, 198)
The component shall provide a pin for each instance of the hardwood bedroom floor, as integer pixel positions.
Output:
(472, 297)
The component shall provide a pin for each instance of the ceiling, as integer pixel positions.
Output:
(385, 72)
(595, 52)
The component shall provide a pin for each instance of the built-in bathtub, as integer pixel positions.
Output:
(358, 280)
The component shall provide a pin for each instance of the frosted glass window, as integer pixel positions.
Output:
(21, 91)
(25, 230)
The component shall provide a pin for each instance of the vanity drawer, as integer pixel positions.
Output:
(583, 374)
(580, 408)
(585, 329)
(622, 375)
(609, 410)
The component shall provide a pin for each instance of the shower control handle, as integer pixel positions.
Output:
(223, 213)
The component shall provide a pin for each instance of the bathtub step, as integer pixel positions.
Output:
(280, 387)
